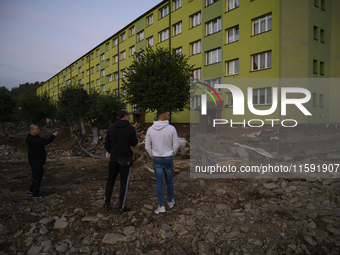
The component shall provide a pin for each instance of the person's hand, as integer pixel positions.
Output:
(55, 133)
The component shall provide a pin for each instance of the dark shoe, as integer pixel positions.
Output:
(107, 207)
(29, 193)
(125, 209)
(38, 197)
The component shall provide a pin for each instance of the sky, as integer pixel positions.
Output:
(38, 38)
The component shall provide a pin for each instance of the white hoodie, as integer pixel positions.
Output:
(161, 140)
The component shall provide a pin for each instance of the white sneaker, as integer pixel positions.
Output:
(171, 204)
(160, 209)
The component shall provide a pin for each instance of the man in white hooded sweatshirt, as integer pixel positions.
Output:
(162, 144)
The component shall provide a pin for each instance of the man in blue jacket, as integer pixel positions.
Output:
(119, 139)
(37, 158)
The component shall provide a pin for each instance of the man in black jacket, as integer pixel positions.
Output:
(119, 139)
(37, 158)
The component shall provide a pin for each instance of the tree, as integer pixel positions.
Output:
(73, 105)
(34, 108)
(7, 105)
(158, 78)
(104, 109)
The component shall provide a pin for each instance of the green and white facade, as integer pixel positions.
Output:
(223, 39)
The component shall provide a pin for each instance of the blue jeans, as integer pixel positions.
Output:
(164, 165)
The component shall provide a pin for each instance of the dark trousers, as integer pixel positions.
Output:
(37, 174)
(124, 172)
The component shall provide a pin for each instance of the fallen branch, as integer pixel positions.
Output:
(151, 170)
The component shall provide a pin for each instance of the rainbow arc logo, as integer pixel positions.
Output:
(204, 97)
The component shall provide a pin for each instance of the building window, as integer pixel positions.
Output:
(115, 59)
(213, 56)
(79, 70)
(149, 41)
(123, 73)
(92, 55)
(82, 61)
(177, 4)
(209, 2)
(140, 36)
(132, 50)
(102, 57)
(98, 67)
(102, 73)
(132, 31)
(123, 92)
(213, 26)
(164, 35)
(321, 100)
(323, 5)
(115, 42)
(88, 85)
(177, 28)
(233, 34)
(87, 59)
(122, 37)
(92, 84)
(102, 88)
(213, 82)
(92, 70)
(314, 100)
(229, 99)
(232, 4)
(196, 74)
(322, 35)
(315, 33)
(262, 24)
(232, 67)
(149, 20)
(108, 46)
(98, 82)
(179, 50)
(262, 61)
(262, 96)
(322, 68)
(109, 78)
(122, 55)
(195, 102)
(195, 20)
(108, 62)
(115, 76)
(195, 48)
(164, 12)
(315, 66)
(87, 72)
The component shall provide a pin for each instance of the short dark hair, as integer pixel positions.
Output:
(161, 111)
(121, 114)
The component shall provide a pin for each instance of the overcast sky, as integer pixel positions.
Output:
(38, 38)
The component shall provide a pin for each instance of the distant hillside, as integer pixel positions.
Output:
(19, 91)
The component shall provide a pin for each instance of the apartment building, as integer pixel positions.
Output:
(224, 39)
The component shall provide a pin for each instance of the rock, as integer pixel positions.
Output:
(47, 220)
(85, 249)
(270, 185)
(165, 227)
(189, 211)
(129, 230)
(310, 240)
(127, 239)
(244, 229)
(111, 238)
(210, 237)
(43, 230)
(90, 218)
(257, 242)
(62, 248)
(79, 211)
(60, 224)
(204, 249)
(34, 250)
(183, 232)
(290, 189)
(149, 207)
(223, 207)
(190, 222)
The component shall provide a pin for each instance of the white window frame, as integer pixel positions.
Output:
(209, 2)
(232, 67)
(115, 42)
(122, 37)
(123, 92)
(122, 55)
(266, 20)
(149, 41)
(140, 36)
(102, 57)
(195, 20)
(123, 73)
(163, 12)
(109, 78)
(102, 88)
(149, 20)
(262, 57)
(102, 72)
(178, 50)
(212, 83)
(232, 4)
(132, 31)
(164, 35)
(115, 59)
(177, 28)
(229, 99)
(235, 34)
(132, 50)
(98, 82)
(98, 67)
(115, 76)
(195, 102)
(177, 4)
(210, 58)
(92, 70)
(266, 92)
(195, 48)
(92, 84)
(196, 74)
(213, 26)
(108, 46)
(108, 62)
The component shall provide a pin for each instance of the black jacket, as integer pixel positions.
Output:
(119, 139)
(36, 149)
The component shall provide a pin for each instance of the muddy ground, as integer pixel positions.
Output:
(211, 216)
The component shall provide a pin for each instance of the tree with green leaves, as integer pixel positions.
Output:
(7, 105)
(33, 108)
(158, 78)
(74, 104)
